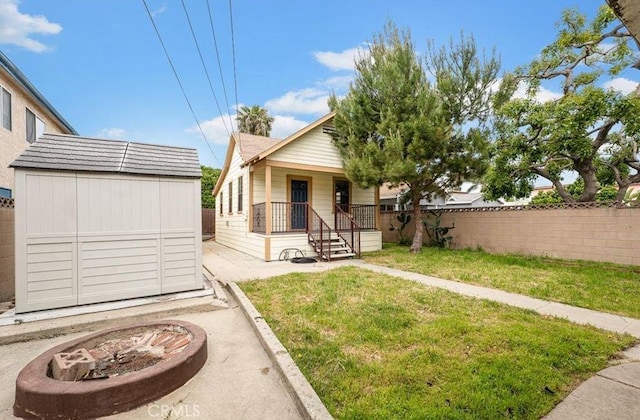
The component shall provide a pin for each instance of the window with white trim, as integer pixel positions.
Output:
(35, 126)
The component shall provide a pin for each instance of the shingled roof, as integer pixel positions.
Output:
(73, 153)
(250, 145)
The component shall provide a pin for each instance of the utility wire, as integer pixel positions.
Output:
(215, 44)
(204, 67)
(233, 52)
(175, 73)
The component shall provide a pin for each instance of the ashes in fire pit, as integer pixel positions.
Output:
(119, 353)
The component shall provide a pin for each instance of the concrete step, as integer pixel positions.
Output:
(340, 256)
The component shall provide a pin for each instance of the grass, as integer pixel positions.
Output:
(375, 346)
(600, 286)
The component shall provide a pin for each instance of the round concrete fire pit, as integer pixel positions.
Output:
(111, 371)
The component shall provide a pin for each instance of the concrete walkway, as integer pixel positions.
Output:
(613, 393)
(238, 381)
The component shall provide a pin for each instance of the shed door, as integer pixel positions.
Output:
(299, 194)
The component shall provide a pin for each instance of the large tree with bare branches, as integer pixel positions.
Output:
(590, 130)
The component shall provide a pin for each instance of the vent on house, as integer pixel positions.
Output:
(328, 129)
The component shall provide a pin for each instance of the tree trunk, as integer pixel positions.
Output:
(416, 245)
(622, 191)
(591, 185)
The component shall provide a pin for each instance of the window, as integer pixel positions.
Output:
(5, 107)
(5, 192)
(231, 197)
(35, 126)
(239, 194)
(221, 200)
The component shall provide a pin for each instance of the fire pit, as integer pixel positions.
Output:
(111, 371)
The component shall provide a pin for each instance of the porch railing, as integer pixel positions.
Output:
(292, 217)
(259, 218)
(348, 229)
(363, 214)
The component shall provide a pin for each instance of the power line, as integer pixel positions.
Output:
(175, 73)
(233, 52)
(195, 40)
(215, 44)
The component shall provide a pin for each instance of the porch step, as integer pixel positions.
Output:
(340, 256)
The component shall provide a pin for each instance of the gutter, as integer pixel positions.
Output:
(25, 84)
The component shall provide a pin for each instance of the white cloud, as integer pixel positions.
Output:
(543, 94)
(337, 82)
(305, 101)
(18, 28)
(339, 60)
(621, 84)
(111, 133)
(215, 129)
(161, 9)
(284, 126)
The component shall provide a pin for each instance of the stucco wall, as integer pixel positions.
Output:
(7, 254)
(597, 234)
(13, 142)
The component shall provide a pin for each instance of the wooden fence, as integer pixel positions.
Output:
(7, 252)
(208, 222)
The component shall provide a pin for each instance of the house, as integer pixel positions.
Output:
(285, 198)
(101, 220)
(391, 199)
(25, 115)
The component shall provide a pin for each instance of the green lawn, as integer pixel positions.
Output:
(601, 286)
(375, 346)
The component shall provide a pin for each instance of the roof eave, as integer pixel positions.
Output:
(23, 82)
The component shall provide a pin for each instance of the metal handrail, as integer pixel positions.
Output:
(344, 222)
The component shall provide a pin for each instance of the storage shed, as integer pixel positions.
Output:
(102, 220)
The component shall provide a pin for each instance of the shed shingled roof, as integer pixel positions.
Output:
(73, 153)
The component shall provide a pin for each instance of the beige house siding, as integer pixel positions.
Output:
(314, 148)
(13, 142)
(232, 228)
(597, 234)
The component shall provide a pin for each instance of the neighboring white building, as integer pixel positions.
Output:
(101, 220)
(292, 194)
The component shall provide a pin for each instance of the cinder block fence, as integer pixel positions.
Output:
(584, 231)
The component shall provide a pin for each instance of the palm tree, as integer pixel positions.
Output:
(254, 120)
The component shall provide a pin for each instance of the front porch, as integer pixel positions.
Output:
(338, 238)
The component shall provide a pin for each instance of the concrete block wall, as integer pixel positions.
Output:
(596, 234)
(7, 254)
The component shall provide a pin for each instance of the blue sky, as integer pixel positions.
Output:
(100, 63)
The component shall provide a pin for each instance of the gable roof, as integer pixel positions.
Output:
(254, 148)
(250, 145)
(73, 153)
(291, 138)
(21, 80)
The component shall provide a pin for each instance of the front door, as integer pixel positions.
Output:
(299, 194)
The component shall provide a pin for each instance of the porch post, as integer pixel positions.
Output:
(377, 209)
(250, 209)
(267, 201)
